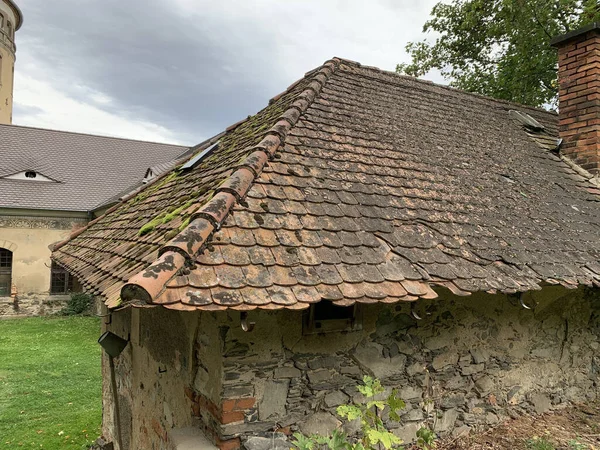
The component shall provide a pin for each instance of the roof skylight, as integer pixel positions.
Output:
(200, 157)
(526, 120)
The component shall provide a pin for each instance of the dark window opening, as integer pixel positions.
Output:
(326, 317)
(61, 281)
(30, 174)
(6, 259)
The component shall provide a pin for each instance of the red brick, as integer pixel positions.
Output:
(245, 403)
(285, 430)
(576, 52)
(159, 430)
(232, 416)
(231, 444)
(587, 78)
(228, 405)
(189, 393)
(567, 121)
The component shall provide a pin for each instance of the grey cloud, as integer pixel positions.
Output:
(146, 58)
(192, 72)
(26, 110)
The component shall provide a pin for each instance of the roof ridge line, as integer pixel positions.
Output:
(190, 241)
(81, 133)
(444, 86)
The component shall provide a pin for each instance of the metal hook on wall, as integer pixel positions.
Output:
(522, 302)
(413, 311)
(246, 326)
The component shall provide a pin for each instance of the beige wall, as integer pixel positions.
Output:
(31, 257)
(154, 374)
(7, 52)
(29, 238)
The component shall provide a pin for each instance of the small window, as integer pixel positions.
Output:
(9, 28)
(61, 281)
(1, 21)
(325, 317)
(28, 175)
(6, 261)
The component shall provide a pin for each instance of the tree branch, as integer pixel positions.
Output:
(535, 16)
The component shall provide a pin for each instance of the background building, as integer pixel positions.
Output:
(52, 183)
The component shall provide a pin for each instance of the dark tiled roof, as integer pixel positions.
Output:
(88, 169)
(355, 185)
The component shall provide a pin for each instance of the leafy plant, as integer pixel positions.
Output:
(499, 48)
(79, 303)
(540, 443)
(575, 445)
(425, 438)
(337, 441)
(374, 434)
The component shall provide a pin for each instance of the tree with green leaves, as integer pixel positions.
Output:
(499, 48)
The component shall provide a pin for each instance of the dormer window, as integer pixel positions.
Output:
(148, 176)
(29, 175)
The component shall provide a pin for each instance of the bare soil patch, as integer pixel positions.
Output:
(572, 428)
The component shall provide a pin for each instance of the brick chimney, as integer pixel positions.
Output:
(579, 95)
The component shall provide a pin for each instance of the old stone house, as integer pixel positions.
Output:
(362, 223)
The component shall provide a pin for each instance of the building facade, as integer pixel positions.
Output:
(52, 183)
(29, 283)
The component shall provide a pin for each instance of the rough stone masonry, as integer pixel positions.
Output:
(469, 364)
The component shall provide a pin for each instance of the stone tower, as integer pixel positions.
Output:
(11, 19)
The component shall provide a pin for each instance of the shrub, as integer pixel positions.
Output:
(79, 303)
(540, 443)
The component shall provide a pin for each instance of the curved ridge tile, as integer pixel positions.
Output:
(191, 239)
(150, 282)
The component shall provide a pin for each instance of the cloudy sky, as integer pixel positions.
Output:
(182, 70)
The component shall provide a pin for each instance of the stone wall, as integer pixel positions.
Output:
(31, 305)
(470, 363)
(154, 377)
(39, 305)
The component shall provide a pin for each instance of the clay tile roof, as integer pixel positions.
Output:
(354, 185)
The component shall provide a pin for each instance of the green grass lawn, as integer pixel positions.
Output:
(50, 383)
